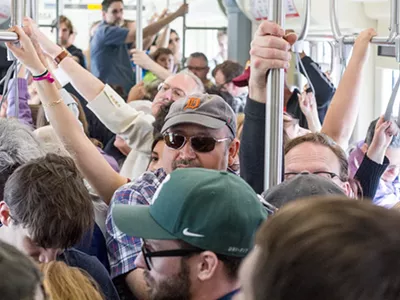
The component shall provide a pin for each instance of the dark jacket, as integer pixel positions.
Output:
(324, 91)
(253, 149)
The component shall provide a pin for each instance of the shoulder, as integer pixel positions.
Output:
(141, 190)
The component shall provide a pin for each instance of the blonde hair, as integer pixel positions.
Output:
(63, 282)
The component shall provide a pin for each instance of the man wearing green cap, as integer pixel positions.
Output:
(199, 132)
(196, 233)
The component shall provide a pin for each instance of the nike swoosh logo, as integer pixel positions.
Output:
(191, 234)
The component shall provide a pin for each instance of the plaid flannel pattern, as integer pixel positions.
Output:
(124, 249)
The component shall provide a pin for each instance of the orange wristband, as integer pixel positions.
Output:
(61, 56)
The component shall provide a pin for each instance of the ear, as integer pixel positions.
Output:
(364, 148)
(4, 214)
(207, 265)
(347, 190)
(233, 151)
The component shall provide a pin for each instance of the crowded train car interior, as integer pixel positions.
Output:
(199, 149)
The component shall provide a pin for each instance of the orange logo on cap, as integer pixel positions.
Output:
(193, 103)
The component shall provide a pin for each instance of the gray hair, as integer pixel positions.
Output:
(17, 146)
(395, 143)
(199, 84)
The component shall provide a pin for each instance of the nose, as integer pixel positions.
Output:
(168, 95)
(187, 152)
(139, 261)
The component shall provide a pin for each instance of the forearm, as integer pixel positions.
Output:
(155, 28)
(313, 122)
(158, 70)
(163, 39)
(343, 111)
(82, 80)
(147, 42)
(102, 178)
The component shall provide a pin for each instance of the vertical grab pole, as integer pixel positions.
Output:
(274, 110)
(139, 36)
(184, 37)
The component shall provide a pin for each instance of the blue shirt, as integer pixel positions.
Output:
(110, 61)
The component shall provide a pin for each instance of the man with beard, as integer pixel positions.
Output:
(109, 46)
(199, 132)
(196, 233)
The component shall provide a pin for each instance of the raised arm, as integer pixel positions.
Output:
(268, 50)
(142, 59)
(90, 162)
(342, 113)
(156, 27)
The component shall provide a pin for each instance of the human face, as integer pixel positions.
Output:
(19, 237)
(166, 61)
(169, 277)
(174, 43)
(223, 45)
(63, 35)
(245, 275)
(310, 158)
(156, 157)
(199, 67)
(186, 157)
(114, 14)
(223, 85)
(392, 172)
(174, 88)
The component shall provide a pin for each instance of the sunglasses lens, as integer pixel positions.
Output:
(203, 144)
(174, 141)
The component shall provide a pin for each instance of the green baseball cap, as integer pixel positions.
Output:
(208, 209)
(210, 111)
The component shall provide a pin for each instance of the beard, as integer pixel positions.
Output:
(172, 288)
(186, 163)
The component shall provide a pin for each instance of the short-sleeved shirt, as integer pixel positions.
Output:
(110, 61)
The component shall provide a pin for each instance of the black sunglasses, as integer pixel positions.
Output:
(147, 255)
(199, 143)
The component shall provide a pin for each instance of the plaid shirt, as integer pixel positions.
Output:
(124, 249)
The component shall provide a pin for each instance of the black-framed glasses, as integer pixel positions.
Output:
(196, 68)
(176, 92)
(325, 174)
(148, 255)
(199, 143)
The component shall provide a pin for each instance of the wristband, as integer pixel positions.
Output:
(41, 75)
(61, 56)
(47, 76)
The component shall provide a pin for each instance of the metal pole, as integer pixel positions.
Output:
(184, 37)
(334, 21)
(6, 36)
(57, 19)
(394, 21)
(306, 22)
(139, 37)
(274, 110)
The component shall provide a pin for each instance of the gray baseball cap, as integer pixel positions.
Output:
(301, 186)
(210, 111)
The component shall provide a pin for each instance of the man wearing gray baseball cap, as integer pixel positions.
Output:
(199, 132)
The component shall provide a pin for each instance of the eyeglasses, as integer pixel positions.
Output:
(196, 68)
(176, 92)
(327, 175)
(147, 255)
(199, 143)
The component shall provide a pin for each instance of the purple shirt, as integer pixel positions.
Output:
(388, 193)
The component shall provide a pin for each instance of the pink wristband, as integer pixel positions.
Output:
(47, 77)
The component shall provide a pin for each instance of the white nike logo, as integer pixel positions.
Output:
(188, 233)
